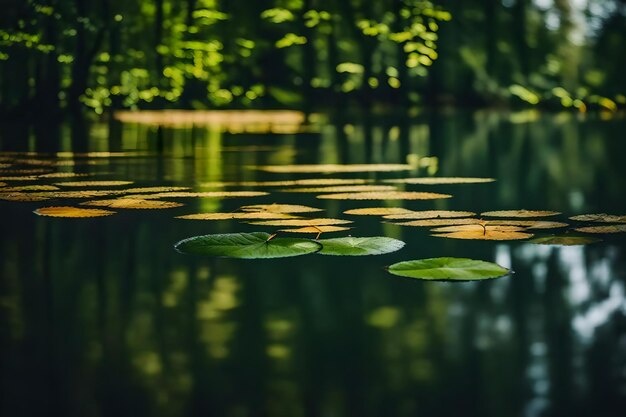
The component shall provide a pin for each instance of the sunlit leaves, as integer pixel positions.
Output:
(327, 168)
(280, 208)
(93, 183)
(441, 180)
(247, 246)
(481, 232)
(430, 214)
(254, 215)
(74, 212)
(520, 213)
(377, 211)
(384, 195)
(131, 203)
(341, 189)
(302, 222)
(439, 222)
(318, 230)
(448, 269)
(360, 246)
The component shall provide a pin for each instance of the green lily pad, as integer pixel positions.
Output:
(565, 240)
(448, 269)
(359, 246)
(256, 245)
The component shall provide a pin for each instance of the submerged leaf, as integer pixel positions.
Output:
(93, 183)
(377, 211)
(74, 212)
(247, 246)
(441, 180)
(359, 246)
(448, 269)
(130, 203)
(280, 208)
(617, 228)
(302, 222)
(431, 214)
(322, 168)
(520, 213)
(600, 218)
(565, 240)
(384, 195)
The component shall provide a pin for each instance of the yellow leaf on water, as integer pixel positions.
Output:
(140, 190)
(384, 195)
(439, 222)
(302, 222)
(618, 228)
(280, 208)
(441, 180)
(129, 203)
(21, 196)
(72, 212)
(25, 171)
(231, 216)
(340, 189)
(377, 211)
(288, 183)
(93, 183)
(477, 227)
(206, 194)
(19, 178)
(479, 232)
(529, 224)
(600, 218)
(31, 188)
(520, 213)
(315, 229)
(430, 214)
(324, 168)
(63, 175)
(2, 184)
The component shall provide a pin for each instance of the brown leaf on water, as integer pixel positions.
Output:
(140, 190)
(617, 228)
(302, 222)
(327, 168)
(441, 180)
(31, 188)
(129, 203)
(280, 208)
(22, 197)
(77, 194)
(529, 224)
(478, 232)
(5, 166)
(93, 183)
(384, 195)
(519, 213)
(75, 212)
(240, 216)
(206, 194)
(289, 183)
(439, 222)
(378, 211)
(315, 229)
(431, 214)
(25, 171)
(340, 189)
(600, 218)
(3, 184)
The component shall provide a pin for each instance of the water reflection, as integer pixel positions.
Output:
(102, 317)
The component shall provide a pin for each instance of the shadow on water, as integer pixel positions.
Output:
(102, 317)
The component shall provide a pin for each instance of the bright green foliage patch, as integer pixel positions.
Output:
(448, 269)
(359, 246)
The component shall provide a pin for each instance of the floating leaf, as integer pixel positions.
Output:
(139, 190)
(341, 189)
(448, 269)
(72, 212)
(247, 246)
(207, 194)
(93, 183)
(529, 224)
(20, 178)
(565, 240)
(22, 197)
(304, 182)
(439, 222)
(3, 184)
(129, 203)
(63, 175)
(25, 171)
(280, 208)
(618, 228)
(431, 214)
(358, 246)
(600, 218)
(302, 222)
(520, 213)
(384, 195)
(31, 188)
(441, 180)
(323, 168)
(479, 232)
(241, 216)
(378, 211)
(316, 229)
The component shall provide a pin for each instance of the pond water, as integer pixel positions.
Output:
(102, 317)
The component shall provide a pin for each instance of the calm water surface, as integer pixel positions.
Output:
(101, 317)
